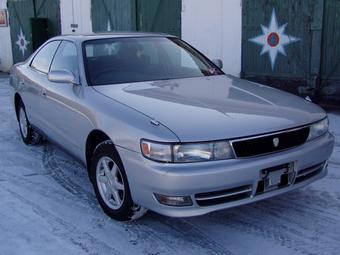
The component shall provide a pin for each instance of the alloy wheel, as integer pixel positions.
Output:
(110, 183)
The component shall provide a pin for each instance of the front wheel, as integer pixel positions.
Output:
(111, 185)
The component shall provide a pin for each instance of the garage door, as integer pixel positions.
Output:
(20, 13)
(330, 62)
(159, 16)
(292, 45)
(137, 15)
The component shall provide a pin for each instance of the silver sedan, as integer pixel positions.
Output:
(161, 127)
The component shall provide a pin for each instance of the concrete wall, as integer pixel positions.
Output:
(215, 28)
(76, 12)
(6, 58)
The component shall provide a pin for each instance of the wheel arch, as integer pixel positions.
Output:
(94, 138)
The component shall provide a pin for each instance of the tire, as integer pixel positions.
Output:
(28, 134)
(111, 185)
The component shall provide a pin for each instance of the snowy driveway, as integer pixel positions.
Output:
(47, 206)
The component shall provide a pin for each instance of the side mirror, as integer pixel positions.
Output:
(218, 63)
(61, 76)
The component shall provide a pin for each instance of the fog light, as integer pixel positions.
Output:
(174, 201)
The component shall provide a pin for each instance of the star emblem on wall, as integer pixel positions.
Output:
(22, 43)
(273, 40)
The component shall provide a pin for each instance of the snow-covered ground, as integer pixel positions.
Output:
(47, 206)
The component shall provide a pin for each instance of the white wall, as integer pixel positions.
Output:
(75, 12)
(215, 28)
(6, 59)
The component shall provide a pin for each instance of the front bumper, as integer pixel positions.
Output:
(190, 179)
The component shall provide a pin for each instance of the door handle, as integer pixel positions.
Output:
(21, 84)
(43, 92)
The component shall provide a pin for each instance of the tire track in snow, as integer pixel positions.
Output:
(150, 238)
(52, 166)
(192, 233)
(291, 229)
(147, 237)
(66, 231)
(243, 223)
(28, 183)
(311, 224)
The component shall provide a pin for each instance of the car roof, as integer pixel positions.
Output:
(108, 35)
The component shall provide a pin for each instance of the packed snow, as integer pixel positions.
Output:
(47, 206)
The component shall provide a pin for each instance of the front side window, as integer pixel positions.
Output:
(125, 60)
(42, 61)
(66, 58)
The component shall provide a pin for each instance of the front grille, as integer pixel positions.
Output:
(309, 172)
(265, 144)
(223, 196)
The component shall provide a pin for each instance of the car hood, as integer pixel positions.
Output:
(215, 107)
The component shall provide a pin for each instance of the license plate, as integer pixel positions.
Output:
(276, 177)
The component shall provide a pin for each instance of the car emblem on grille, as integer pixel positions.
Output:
(276, 142)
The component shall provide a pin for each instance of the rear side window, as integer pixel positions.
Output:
(66, 58)
(42, 61)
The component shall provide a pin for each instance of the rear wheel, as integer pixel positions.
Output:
(28, 134)
(111, 185)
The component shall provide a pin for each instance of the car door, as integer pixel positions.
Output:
(34, 82)
(68, 124)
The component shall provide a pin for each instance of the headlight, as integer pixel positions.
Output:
(156, 151)
(187, 152)
(318, 129)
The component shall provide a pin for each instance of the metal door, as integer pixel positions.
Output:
(137, 15)
(277, 37)
(75, 18)
(293, 45)
(113, 15)
(330, 62)
(20, 13)
(159, 16)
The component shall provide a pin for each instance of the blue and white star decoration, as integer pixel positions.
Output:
(273, 40)
(22, 43)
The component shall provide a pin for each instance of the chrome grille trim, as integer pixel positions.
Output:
(310, 172)
(224, 195)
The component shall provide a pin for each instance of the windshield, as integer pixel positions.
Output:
(125, 60)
